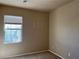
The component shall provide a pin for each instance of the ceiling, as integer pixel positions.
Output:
(42, 5)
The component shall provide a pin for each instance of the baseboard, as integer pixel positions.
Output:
(35, 53)
(26, 54)
(56, 54)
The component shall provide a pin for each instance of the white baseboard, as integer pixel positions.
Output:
(56, 54)
(26, 54)
(34, 53)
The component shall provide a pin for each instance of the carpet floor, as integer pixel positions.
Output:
(43, 55)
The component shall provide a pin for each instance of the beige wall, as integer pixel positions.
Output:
(64, 30)
(35, 31)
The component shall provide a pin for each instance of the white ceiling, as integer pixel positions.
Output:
(42, 5)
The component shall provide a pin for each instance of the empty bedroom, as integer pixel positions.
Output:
(39, 29)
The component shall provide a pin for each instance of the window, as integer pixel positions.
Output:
(12, 29)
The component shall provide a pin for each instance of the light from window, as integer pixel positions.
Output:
(13, 30)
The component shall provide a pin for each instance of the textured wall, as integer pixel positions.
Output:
(64, 30)
(35, 31)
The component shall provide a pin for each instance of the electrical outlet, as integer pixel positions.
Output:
(69, 54)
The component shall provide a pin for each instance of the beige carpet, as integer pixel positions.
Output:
(44, 55)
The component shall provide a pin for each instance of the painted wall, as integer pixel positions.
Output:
(35, 31)
(64, 30)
